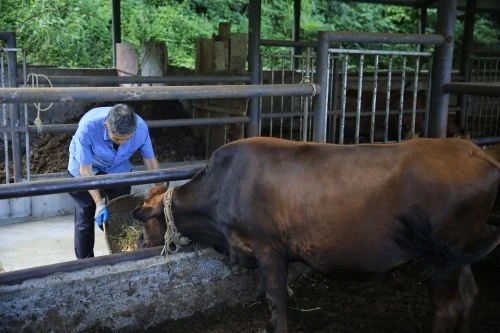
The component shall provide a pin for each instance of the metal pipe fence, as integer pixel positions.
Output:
(43, 187)
(170, 80)
(481, 102)
(108, 94)
(348, 102)
(287, 117)
(324, 38)
(397, 110)
(60, 128)
(13, 119)
(70, 95)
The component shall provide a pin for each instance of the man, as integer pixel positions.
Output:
(105, 140)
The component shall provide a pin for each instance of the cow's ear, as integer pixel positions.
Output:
(143, 214)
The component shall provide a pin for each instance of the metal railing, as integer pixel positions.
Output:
(482, 97)
(483, 108)
(382, 108)
(70, 95)
(282, 116)
(347, 85)
(321, 101)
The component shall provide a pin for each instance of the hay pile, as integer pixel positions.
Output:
(126, 240)
(122, 230)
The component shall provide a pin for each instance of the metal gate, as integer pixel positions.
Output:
(373, 95)
(483, 112)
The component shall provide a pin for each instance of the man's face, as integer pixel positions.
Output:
(116, 138)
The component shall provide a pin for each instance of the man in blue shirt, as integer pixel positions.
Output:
(105, 140)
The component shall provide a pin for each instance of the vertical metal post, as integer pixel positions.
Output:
(4, 122)
(360, 93)
(465, 63)
(296, 31)
(388, 98)
(307, 78)
(334, 91)
(116, 26)
(422, 25)
(441, 73)
(321, 99)
(254, 17)
(345, 66)
(402, 101)
(374, 100)
(10, 38)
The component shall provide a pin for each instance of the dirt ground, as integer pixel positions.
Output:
(397, 302)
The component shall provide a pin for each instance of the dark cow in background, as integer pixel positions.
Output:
(346, 211)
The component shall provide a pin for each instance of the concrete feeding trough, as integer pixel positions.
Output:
(124, 296)
(124, 292)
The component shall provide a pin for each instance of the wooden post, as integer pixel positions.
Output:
(224, 53)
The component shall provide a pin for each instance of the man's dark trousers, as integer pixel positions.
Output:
(84, 218)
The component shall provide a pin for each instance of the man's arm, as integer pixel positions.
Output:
(101, 212)
(86, 171)
(152, 164)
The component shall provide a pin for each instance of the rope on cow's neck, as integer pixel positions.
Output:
(172, 236)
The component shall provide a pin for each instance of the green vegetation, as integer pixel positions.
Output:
(77, 33)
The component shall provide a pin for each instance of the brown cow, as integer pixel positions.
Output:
(352, 210)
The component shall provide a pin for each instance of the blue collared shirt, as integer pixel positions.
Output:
(91, 144)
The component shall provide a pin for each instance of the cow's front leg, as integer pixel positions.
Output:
(274, 271)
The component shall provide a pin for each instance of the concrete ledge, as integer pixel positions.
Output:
(127, 296)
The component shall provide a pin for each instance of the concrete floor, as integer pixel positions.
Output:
(41, 242)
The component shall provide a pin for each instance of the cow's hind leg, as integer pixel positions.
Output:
(274, 271)
(452, 296)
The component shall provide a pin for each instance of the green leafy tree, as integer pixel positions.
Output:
(77, 33)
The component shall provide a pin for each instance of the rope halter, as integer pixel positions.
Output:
(172, 236)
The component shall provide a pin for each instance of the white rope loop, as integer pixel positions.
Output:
(172, 236)
(34, 84)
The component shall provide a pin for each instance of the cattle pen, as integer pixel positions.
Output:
(328, 94)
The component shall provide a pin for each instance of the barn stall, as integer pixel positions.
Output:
(311, 119)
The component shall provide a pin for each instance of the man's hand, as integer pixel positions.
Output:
(101, 214)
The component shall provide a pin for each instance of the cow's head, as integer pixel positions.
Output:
(153, 218)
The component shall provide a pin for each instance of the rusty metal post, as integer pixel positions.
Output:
(116, 26)
(254, 17)
(10, 39)
(321, 99)
(296, 33)
(442, 64)
(465, 63)
(422, 25)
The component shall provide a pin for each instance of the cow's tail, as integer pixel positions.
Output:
(432, 255)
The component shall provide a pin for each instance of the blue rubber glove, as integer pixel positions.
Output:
(101, 214)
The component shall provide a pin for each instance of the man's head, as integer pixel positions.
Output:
(121, 123)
